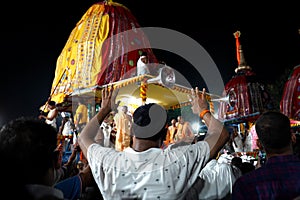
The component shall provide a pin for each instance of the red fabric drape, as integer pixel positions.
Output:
(290, 100)
(122, 20)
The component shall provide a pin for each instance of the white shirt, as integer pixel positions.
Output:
(142, 68)
(152, 174)
(238, 144)
(218, 179)
(53, 121)
(67, 130)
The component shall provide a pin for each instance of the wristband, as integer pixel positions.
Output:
(203, 112)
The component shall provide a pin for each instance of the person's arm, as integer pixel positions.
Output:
(88, 134)
(72, 156)
(61, 127)
(217, 135)
(50, 116)
(53, 115)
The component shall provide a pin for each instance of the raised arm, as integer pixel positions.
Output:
(88, 134)
(50, 116)
(217, 135)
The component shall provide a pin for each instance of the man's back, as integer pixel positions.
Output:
(279, 178)
(150, 174)
(148, 171)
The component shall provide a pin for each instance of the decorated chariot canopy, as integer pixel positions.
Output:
(103, 50)
(246, 95)
(290, 100)
(103, 47)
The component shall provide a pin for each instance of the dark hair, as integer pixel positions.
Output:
(246, 167)
(27, 146)
(52, 103)
(237, 161)
(273, 130)
(150, 122)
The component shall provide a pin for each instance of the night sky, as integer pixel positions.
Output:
(34, 33)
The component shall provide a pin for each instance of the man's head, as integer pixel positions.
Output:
(66, 115)
(27, 145)
(274, 131)
(173, 121)
(237, 161)
(150, 122)
(51, 104)
(180, 119)
(124, 109)
(144, 57)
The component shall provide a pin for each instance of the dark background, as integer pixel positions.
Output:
(33, 35)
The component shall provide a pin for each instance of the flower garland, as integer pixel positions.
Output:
(143, 91)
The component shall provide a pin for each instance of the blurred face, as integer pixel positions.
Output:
(51, 107)
(180, 119)
(124, 109)
(144, 60)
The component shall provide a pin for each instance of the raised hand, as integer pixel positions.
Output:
(198, 101)
(109, 95)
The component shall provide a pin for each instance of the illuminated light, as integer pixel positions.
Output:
(133, 103)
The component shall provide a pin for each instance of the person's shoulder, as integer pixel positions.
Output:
(250, 177)
(201, 145)
(37, 191)
(98, 147)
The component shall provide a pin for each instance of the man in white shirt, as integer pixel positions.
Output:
(52, 114)
(145, 170)
(142, 67)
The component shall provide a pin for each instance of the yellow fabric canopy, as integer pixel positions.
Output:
(88, 58)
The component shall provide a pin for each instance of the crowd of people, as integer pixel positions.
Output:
(144, 155)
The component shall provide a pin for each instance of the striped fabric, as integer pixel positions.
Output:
(103, 47)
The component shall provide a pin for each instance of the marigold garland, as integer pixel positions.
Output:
(143, 91)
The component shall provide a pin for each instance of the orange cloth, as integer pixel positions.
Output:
(123, 123)
(170, 135)
(184, 132)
